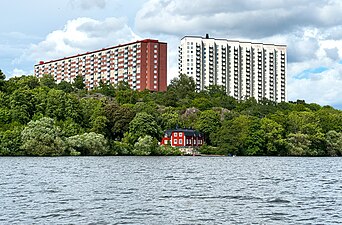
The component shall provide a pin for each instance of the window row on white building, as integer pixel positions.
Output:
(244, 69)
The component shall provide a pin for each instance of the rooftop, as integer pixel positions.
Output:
(100, 50)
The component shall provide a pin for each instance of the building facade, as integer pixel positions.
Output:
(187, 138)
(143, 64)
(243, 69)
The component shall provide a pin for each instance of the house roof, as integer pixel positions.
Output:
(187, 132)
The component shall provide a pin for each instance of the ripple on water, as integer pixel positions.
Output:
(170, 190)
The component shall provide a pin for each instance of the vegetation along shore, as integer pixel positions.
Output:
(42, 118)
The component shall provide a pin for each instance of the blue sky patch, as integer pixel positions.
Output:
(308, 72)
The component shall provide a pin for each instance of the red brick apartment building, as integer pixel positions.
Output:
(143, 64)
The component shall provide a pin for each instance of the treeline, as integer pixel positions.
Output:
(42, 118)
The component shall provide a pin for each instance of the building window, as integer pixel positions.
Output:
(180, 141)
(180, 134)
(175, 134)
(165, 142)
(175, 141)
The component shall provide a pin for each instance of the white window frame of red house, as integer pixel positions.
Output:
(180, 141)
(175, 141)
(175, 134)
(180, 134)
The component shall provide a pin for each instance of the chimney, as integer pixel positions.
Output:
(207, 36)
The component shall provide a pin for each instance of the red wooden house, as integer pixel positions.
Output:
(187, 138)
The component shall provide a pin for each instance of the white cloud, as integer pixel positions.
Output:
(17, 73)
(88, 4)
(245, 18)
(78, 36)
(323, 88)
(310, 29)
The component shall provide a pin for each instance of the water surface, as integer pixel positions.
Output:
(170, 190)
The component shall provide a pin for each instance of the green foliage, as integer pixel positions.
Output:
(143, 124)
(65, 86)
(146, 145)
(167, 150)
(210, 150)
(2, 75)
(78, 83)
(2, 80)
(170, 120)
(207, 123)
(334, 143)
(120, 148)
(48, 81)
(273, 133)
(118, 120)
(298, 144)
(232, 136)
(87, 144)
(202, 103)
(39, 117)
(10, 142)
(42, 138)
(182, 87)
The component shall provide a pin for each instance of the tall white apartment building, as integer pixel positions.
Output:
(244, 69)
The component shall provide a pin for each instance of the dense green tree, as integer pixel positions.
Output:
(273, 133)
(169, 99)
(87, 144)
(232, 136)
(183, 86)
(5, 117)
(78, 83)
(146, 145)
(126, 118)
(334, 143)
(329, 119)
(170, 120)
(22, 104)
(298, 144)
(48, 81)
(143, 124)
(10, 142)
(2, 80)
(65, 86)
(202, 103)
(208, 122)
(42, 138)
(189, 117)
(255, 141)
(118, 120)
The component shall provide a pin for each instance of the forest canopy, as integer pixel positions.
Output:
(41, 118)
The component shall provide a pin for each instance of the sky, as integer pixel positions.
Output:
(37, 30)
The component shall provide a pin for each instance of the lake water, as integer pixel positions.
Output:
(170, 190)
